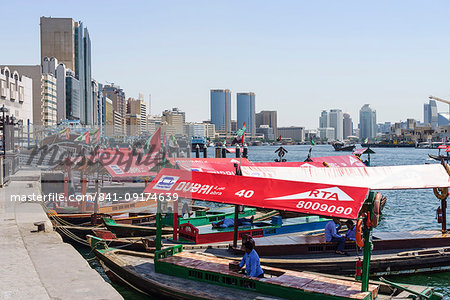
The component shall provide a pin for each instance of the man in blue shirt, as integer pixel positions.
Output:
(230, 222)
(251, 261)
(332, 236)
(350, 235)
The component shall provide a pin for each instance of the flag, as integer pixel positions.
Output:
(279, 139)
(84, 136)
(95, 136)
(153, 143)
(172, 142)
(240, 134)
(312, 143)
(366, 141)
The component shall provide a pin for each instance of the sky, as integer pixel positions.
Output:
(299, 57)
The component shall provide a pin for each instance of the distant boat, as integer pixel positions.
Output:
(339, 146)
(198, 140)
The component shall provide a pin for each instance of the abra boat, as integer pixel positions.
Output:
(339, 146)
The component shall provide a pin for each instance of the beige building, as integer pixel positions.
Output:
(210, 130)
(16, 94)
(117, 96)
(153, 122)
(268, 117)
(174, 120)
(49, 101)
(109, 118)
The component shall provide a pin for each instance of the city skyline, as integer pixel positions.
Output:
(388, 64)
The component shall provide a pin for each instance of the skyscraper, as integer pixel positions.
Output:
(323, 120)
(430, 114)
(69, 42)
(221, 110)
(347, 125)
(367, 122)
(335, 121)
(246, 112)
(267, 117)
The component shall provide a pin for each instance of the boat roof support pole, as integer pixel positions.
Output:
(236, 225)
(158, 225)
(444, 215)
(175, 220)
(367, 244)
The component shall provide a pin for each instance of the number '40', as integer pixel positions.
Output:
(245, 193)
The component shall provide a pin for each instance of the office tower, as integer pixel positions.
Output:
(347, 125)
(430, 114)
(221, 110)
(73, 96)
(367, 122)
(246, 112)
(323, 120)
(117, 96)
(336, 120)
(268, 117)
(174, 121)
(69, 42)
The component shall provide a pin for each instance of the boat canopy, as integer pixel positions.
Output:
(311, 198)
(363, 151)
(442, 147)
(377, 178)
(340, 161)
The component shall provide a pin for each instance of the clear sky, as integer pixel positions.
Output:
(299, 57)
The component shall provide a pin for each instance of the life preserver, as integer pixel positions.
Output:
(376, 210)
(441, 193)
(359, 240)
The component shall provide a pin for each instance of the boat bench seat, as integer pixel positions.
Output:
(292, 279)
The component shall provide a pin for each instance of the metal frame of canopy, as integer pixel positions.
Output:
(165, 182)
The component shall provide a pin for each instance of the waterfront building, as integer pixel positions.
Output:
(347, 125)
(327, 134)
(384, 127)
(246, 112)
(323, 119)
(267, 131)
(443, 118)
(410, 124)
(153, 122)
(109, 117)
(117, 96)
(335, 121)
(210, 130)
(221, 110)
(430, 114)
(293, 132)
(72, 96)
(367, 122)
(69, 42)
(267, 117)
(143, 111)
(174, 121)
(16, 94)
(44, 93)
(195, 129)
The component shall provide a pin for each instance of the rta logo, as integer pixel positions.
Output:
(166, 182)
(330, 194)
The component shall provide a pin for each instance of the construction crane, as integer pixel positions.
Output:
(442, 100)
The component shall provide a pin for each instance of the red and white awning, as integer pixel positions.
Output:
(311, 198)
(377, 178)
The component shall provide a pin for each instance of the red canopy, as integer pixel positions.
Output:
(310, 198)
(340, 161)
(442, 147)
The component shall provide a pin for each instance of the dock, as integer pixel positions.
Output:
(38, 264)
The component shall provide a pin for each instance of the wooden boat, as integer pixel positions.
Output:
(174, 273)
(338, 146)
(126, 230)
(208, 217)
(207, 234)
(438, 157)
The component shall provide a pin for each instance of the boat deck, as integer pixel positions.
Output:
(142, 265)
(313, 283)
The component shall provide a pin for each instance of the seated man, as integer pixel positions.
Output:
(251, 261)
(350, 235)
(332, 236)
(230, 223)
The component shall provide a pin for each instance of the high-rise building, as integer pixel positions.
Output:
(367, 122)
(117, 96)
(16, 94)
(69, 42)
(347, 125)
(174, 121)
(327, 134)
(221, 110)
(109, 117)
(336, 120)
(430, 114)
(48, 103)
(323, 120)
(73, 97)
(267, 131)
(268, 117)
(246, 112)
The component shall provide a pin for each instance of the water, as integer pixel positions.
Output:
(404, 210)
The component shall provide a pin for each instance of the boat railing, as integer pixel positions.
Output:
(166, 252)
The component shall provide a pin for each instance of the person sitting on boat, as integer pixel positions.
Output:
(230, 222)
(332, 236)
(350, 235)
(251, 261)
